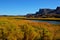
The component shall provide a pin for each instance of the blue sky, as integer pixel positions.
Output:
(22, 7)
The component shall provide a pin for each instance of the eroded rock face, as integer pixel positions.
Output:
(58, 8)
(46, 13)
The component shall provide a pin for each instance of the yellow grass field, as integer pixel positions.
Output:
(43, 18)
(12, 29)
(19, 17)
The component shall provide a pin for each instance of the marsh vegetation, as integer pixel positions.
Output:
(12, 29)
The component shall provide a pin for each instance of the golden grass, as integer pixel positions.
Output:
(19, 17)
(43, 18)
(11, 29)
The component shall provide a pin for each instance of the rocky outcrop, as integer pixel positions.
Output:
(46, 13)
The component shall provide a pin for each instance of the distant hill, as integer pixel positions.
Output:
(46, 13)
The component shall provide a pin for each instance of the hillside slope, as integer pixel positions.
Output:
(46, 13)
